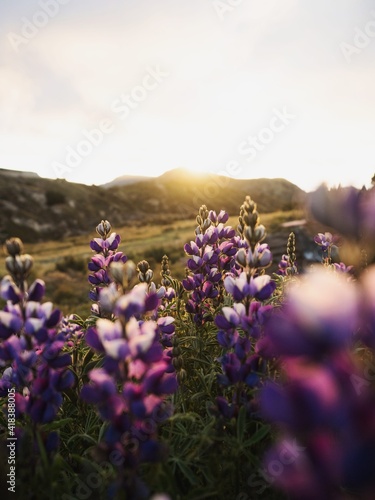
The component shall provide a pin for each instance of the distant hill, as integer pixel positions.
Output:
(18, 173)
(35, 209)
(179, 194)
(125, 180)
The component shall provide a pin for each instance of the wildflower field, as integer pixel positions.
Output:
(230, 382)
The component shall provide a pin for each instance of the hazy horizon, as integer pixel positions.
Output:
(92, 91)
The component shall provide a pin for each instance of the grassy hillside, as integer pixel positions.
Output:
(38, 209)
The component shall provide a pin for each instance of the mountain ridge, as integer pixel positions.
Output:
(124, 180)
(36, 209)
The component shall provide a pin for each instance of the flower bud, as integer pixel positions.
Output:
(203, 212)
(248, 234)
(252, 258)
(103, 229)
(181, 375)
(19, 265)
(222, 217)
(212, 216)
(259, 233)
(14, 246)
(265, 257)
(108, 297)
(246, 219)
(117, 272)
(254, 219)
(10, 265)
(143, 266)
(177, 363)
(149, 275)
(176, 351)
(130, 270)
(241, 257)
(206, 224)
(27, 262)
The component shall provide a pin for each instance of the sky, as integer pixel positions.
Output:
(92, 90)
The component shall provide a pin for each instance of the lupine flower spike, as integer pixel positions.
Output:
(32, 345)
(107, 254)
(240, 326)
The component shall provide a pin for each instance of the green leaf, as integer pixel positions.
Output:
(83, 461)
(102, 430)
(58, 424)
(89, 354)
(85, 437)
(61, 465)
(187, 472)
(257, 436)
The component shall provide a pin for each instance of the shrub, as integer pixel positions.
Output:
(71, 263)
(54, 197)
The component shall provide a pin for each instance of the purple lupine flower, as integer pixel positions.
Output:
(320, 313)
(322, 405)
(107, 254)
(71, 331)
(231, 317)
(97, 262)
(260, 257)
(137, 302)
(329, 417)
(166, 329)
(192, 282)
(105, 245)
(260, 287)
(221, 218)
(226, 232)
(33, 349)
(225, 408)
(254, 320)
(227, 338)
(211, 255)
(9, 291)
(237, 286)
(283, 265)
(135, 378)
(10, 322)
(239, 325)
(325, 240)
(6, 381)
(343, 268)
(211, 236)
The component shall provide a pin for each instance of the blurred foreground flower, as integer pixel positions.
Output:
(321, 399)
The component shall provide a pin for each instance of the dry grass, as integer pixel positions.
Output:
(69, 290)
